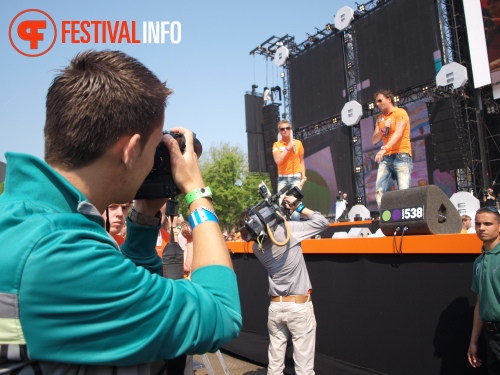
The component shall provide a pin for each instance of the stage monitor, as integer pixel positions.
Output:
(398, 46)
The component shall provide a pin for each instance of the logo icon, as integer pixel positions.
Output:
(32, 32)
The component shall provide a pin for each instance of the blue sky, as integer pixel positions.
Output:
(209, 70)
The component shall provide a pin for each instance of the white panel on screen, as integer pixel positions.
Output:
(359, 232)
(361, 210)
(465, 202)
(477, 43)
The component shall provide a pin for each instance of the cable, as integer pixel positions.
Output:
(405, 228)
(271, 236)
(394, 243)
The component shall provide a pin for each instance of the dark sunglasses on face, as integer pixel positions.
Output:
(283, 129)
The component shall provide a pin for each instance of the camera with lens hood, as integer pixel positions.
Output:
(159, 183)
(266, 215)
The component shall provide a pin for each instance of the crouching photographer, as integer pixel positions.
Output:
(75, 301)
(278, 248)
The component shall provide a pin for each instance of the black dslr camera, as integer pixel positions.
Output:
(266, 213)
(159, 183)
(340, 197)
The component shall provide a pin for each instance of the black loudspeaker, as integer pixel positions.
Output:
(423, 210)
(270, 119)
(448, 133)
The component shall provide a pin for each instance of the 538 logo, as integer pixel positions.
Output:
(403, 214)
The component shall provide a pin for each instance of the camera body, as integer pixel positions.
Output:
(159, 183)
(266, 214)
(340, 197)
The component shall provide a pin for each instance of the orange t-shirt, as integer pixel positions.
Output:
(291, 162)
(404, 144)
(163, 239)
(119, 239)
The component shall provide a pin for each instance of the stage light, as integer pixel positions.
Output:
(334, 120)
(371, 105)
(282, 74)
(349, 65)
(396, 98)
(284, 91)
(328, 27)
(361, 7)
(355, 139)
(359, 200)
(357, 169)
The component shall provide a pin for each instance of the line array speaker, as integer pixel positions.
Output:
(270, 119)
(448, 134)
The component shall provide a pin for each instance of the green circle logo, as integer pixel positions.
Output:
(386, 215)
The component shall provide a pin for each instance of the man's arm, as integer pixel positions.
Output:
(396, 136)
(279, 155)
(477, 327)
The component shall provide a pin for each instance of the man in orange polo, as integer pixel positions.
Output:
(288, 154)
(394, 158)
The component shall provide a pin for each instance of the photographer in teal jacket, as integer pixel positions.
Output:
(71, 301)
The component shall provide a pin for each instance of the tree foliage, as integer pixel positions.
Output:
(225, 169)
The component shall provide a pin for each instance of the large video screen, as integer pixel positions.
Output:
(329, 169)
(398, 46)
(425, 170)
(317, 82)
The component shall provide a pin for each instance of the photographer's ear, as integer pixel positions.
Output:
(131, 150)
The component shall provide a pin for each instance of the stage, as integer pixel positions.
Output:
(383, 305)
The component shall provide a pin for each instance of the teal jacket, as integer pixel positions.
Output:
(68, 294)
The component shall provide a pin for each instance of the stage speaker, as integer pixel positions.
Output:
(448, 133)
(423, 210)
(270, 119)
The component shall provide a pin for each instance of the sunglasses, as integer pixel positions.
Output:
(283, 129)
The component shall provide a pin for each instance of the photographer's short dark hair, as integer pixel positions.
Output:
(100, 97)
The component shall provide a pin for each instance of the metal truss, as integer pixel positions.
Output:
(455, 49)
(318, 128)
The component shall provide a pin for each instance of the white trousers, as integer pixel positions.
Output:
(298, 319)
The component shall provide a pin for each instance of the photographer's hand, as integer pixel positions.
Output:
(187, 176)
(185, 168)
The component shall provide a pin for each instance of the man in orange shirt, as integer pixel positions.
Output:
(288, 154)
(394, 158)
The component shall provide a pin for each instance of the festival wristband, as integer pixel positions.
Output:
(202, 215)
(300, 208)
(205, 192)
